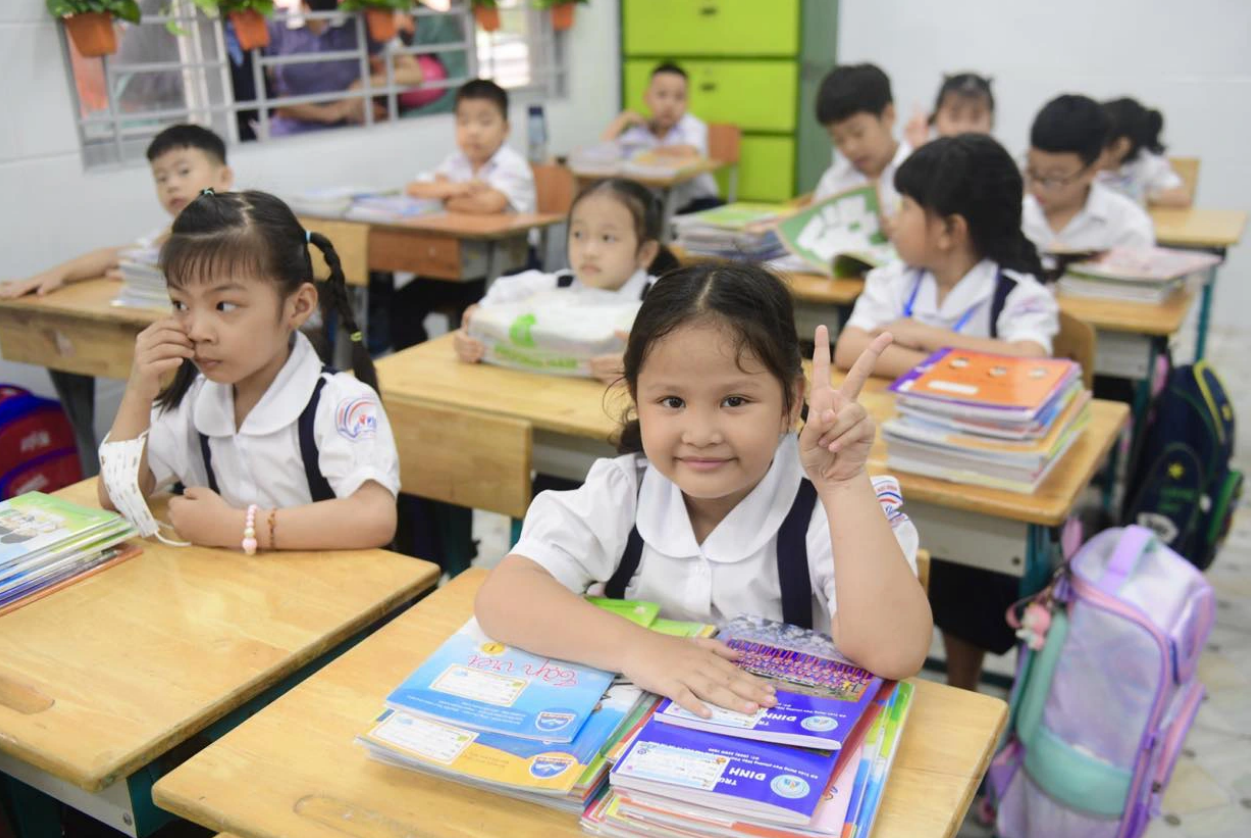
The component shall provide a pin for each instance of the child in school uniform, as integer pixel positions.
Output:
(614, 245)
(484, 176)
(184, 160)
(1067, 208)
(855, 106)
(967, 278)
(671, 130)
(718, 508)
(274, 450)
(1134, 162)
(965, 105)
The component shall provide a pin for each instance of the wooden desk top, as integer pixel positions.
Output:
(100, 678)
(1194, 227)
(1156, 320)
(91, 299)
(431, 374)
(465, 226)
(293, 769)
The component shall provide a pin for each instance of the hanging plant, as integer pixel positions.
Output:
(487, 14)
(379, 15)
(90, 22)
(562, 12)
(247, 17)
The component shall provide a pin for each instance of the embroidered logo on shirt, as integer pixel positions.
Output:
(889, 496)
(356, 418)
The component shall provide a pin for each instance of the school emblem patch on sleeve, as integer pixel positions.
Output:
(356, 418)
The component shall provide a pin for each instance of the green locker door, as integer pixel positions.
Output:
(754, 95)
(672, 28)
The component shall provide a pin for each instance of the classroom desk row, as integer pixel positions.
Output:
(108, 686)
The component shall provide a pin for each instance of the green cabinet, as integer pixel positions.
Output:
(753, 63)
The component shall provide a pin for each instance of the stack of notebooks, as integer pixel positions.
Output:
(1149, 275)
(987, 420)
(360, 204)
(487, 715)
(143, 283)
(47, 543)
(815, 764)
(735, 231)
(613, 160)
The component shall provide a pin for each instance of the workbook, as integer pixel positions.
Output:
(840, 235)
(1003, 388)
(474, 682)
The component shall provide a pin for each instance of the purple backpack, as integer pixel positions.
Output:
(1100, 712)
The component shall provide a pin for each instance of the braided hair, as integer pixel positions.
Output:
(253, 233)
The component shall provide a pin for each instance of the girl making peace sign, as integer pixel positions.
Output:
(718, 508)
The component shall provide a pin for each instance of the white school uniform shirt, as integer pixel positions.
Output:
(1142, 178)
(522, 286)
(842, 175)
(690, 130)
(1108, 220)
(579, 537)
(506, 171)
(260, 461)
(1030, 312)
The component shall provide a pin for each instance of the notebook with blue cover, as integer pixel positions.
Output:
(475, 682)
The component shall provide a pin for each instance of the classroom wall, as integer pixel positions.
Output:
(1190, 60)
(53, 209)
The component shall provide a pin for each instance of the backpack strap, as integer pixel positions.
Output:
(793, 558)
(1004, 286)
(564, 279)
(318, 486)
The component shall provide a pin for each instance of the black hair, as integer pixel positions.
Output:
(972, 176)
(966, 86)
(322, 5)
(255, 234)
(645, 209)
(749, 301)
(669, 67)
(1069, 123)
(484, 89)
(188, 136)
(851, 89)
(1138, 124)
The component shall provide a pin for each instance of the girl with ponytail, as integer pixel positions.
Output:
(1133, 156)
(274, 449)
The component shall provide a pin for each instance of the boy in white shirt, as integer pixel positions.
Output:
(855, 106)
(671, 131)
(484, 177)
(1066, 208)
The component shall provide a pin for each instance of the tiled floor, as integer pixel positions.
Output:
(1210, 793)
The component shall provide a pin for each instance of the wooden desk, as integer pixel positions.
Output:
(572, 421)
(1202, 229)
(105, 677)
(293, 769)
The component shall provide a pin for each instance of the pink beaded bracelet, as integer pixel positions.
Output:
(249, 531)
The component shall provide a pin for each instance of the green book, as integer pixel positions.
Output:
(636, 611)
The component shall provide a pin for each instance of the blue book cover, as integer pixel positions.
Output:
(773, 782)
(819, 699)
(472, 681)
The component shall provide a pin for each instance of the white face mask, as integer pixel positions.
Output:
(119, 469)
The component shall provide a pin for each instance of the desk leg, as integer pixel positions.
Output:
(78, 396)
(669, 198)
(1205, 312)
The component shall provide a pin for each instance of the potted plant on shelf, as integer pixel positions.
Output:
(487, 14)
(90, 22)
(248, 18)
(562, 12)
(379, 15)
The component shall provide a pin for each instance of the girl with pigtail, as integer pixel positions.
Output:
(274, 450)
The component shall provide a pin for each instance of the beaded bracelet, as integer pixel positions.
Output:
(273, 541)
(249, 531)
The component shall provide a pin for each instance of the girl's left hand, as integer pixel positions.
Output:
(913, 334)
(834, 444)
(202, 517)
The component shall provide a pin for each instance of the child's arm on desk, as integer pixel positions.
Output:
(894, 361)
(481, 199)
(1178, 196)
(88, 266)
(625, 119)
(439, 189)
(523, 605)
(928, 339)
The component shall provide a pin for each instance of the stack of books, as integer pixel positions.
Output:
(331, 202)
(143, 282)
(735, 231)
(613, 160)
(47, 543)
(1149, 275)
(987, 420)
(490, 716)
(386, 208)
(815, 764)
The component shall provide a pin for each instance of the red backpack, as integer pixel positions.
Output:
(37, 448)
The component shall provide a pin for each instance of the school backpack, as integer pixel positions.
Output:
(1180, 481)
(37, 448)
(1100, 708)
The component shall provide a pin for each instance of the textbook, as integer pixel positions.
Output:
(474, 682)
(1146, 275)
(840, 235)
(741, 230)
(1002, 388)
(819, 700)
(385, 208)
(891, 732)
(143, 282)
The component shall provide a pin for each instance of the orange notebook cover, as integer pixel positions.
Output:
(980, 379)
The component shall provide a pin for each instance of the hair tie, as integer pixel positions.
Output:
(308, 237)
(356, 337)
(208, 190)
